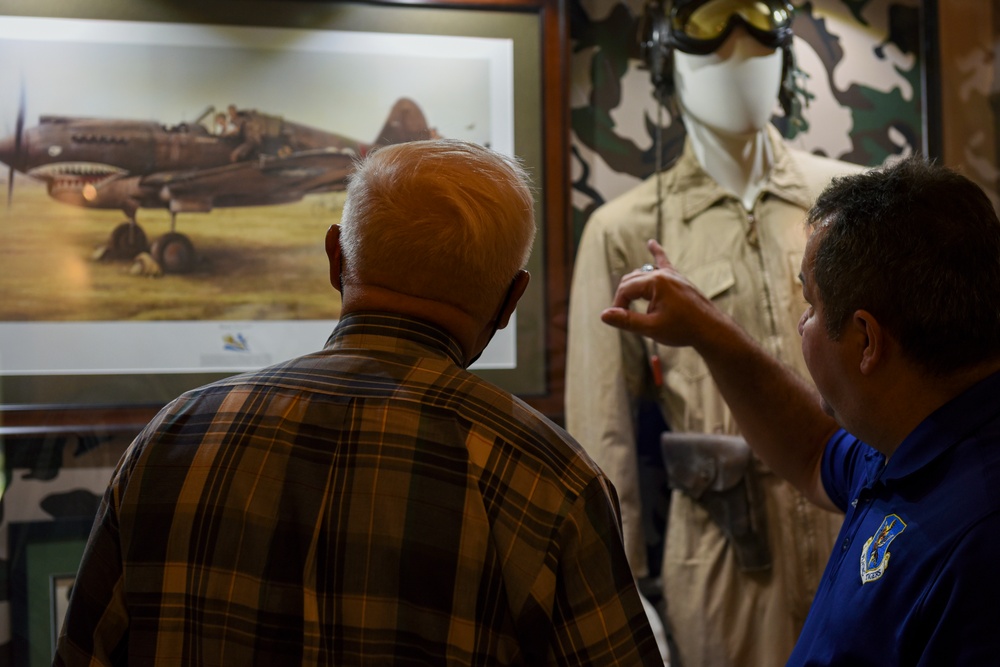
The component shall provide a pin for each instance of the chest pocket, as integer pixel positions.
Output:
(713, 278)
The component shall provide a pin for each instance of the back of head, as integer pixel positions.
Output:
(918, 246)
(444, 220)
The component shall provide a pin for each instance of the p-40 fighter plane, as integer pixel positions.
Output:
(243, 158)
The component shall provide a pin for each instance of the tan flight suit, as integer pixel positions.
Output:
(748, 264)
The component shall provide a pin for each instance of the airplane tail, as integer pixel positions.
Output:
(406, 122)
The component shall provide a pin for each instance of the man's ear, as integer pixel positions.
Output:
(335, 256)
(873, 340)
(517, 288)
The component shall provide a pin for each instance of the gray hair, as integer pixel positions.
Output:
(445, 220)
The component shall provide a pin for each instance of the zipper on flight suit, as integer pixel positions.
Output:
(753, 239)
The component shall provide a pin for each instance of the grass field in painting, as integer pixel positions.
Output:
(255, 263)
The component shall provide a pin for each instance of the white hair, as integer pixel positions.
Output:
(446, 220)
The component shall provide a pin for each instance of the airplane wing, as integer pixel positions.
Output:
(269, 180)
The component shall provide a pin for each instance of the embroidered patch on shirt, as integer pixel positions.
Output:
(875, 554)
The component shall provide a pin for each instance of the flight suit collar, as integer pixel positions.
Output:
(698, 191)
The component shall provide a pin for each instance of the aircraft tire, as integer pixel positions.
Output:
(174, 252)
(127, 241)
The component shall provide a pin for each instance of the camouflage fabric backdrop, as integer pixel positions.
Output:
(863, 89)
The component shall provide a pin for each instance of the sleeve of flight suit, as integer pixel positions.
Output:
(604, 369)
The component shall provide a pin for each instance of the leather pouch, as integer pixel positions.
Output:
(717, 472)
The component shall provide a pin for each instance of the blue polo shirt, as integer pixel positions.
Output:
(915, 576)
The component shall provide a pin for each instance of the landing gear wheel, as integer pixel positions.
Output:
(174, 252)
(127, 241)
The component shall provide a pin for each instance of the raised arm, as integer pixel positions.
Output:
(778, 413)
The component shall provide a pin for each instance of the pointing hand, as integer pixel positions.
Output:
(677, 315)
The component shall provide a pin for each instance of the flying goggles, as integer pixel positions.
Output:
(701, 26)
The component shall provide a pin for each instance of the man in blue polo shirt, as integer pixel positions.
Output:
(902, 338)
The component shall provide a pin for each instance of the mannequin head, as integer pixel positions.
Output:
(707, 33)
(731, 90)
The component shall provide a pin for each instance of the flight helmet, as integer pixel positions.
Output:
(701, 26)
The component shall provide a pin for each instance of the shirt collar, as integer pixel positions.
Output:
(393, 333)
(698, 191)
(954, 421)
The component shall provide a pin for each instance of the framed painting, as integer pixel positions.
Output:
(149, 247)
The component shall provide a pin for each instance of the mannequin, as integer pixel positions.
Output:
(729, 214)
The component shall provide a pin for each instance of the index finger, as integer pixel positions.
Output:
(659, 254)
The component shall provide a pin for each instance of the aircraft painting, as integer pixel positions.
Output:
(238, 158)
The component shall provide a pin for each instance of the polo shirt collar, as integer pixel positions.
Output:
(954, 421)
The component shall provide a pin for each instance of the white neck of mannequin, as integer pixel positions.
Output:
(740, 163)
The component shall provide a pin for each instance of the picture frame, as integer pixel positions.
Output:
(44, 559)
(534, 32)
(53, 481)
(60, 587)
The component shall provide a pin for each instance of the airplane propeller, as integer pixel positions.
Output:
(18, 140)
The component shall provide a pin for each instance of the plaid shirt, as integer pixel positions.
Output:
(369, 504)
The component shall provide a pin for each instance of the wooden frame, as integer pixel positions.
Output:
(29, 401)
